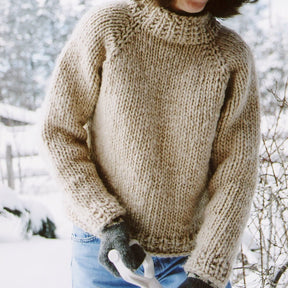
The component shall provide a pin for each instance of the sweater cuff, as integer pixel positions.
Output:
(114, 221)
(215, 272)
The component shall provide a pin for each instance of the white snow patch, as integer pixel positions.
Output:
(17, 114)
(9, 198)
(37, 263)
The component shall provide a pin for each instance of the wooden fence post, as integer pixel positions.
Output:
(9, 165)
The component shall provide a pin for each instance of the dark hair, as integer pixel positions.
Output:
(218, 8)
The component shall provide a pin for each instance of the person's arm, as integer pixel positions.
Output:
(73, 94)
(233, 167)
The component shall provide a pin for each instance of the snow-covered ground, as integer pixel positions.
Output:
(36, 263)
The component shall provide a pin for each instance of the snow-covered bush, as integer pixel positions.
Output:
(263, 261)
(269, 44)
(35, 217)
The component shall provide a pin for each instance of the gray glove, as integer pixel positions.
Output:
(116, 237)
(194, 283)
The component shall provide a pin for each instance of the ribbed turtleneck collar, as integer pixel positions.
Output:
(172, 27)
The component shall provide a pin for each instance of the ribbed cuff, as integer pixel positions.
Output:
(114, 221)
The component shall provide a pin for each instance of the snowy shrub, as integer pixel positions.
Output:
(263, 261)
(35, 218)
(269, 44)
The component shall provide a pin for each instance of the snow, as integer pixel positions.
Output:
(35, 211)
(17, 113)
(9, 198)
(26, 146)
(23, 139)
(38, 212)
(35, 263)
(279, 10)
(42, 263)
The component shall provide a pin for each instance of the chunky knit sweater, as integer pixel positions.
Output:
(154, 117)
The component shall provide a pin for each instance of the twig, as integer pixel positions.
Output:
(279, 274)
(243, 267)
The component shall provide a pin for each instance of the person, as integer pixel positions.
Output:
(152, 124)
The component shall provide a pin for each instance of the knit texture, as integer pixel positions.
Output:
(154, 117)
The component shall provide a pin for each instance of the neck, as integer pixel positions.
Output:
(184, 13)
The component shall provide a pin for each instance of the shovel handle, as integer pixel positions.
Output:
(146, 281)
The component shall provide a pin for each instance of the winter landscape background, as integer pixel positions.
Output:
(32, 33)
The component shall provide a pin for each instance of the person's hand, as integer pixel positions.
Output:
(194, 283)
(116, 236)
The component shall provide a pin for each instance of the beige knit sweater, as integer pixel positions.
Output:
(170, 107)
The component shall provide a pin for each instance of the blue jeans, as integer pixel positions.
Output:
(89, 273)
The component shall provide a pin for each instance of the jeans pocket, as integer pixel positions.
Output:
(79, 235)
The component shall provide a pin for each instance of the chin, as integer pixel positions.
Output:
(193, 7)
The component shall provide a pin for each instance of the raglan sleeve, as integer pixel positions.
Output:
(70, 103)
(234, 169)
